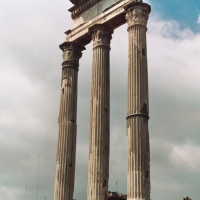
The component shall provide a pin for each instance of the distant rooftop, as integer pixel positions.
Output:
(116, 196)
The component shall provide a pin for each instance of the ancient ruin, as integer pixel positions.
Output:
(96, 20)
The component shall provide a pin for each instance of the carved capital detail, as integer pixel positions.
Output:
(71, 54)
(101, 36)
(137, 16)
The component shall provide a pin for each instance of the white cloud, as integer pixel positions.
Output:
(187, 156)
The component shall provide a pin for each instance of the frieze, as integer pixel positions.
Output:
(115, 12)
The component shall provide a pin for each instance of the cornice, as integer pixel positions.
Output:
(75, 2)
(137, 4)
(81, 7)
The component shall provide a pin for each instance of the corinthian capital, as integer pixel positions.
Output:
(101, 36)
(137, 15)
(71, 53)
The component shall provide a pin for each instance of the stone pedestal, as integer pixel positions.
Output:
(66, 147)
(98, 172)
(138, 105)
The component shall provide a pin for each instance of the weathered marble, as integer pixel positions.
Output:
(66, 147)
(110, 13)
(99, 139)
(95, 20)
(138, 186)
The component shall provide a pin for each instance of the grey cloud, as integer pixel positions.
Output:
(30, 91)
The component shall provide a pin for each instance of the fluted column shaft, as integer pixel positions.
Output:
(99, 138)
(66, 147)
(138, 105)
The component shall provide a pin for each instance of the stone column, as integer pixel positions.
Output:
(99, 139)
(138, 185)
(66, 147)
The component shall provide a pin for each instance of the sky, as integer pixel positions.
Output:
(30, 73)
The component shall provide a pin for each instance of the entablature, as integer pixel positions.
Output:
(110, 13)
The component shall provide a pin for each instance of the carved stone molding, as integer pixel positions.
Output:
(101, 35)
(137, 16)
(71, 54)
(75, 2)
(81, 6)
